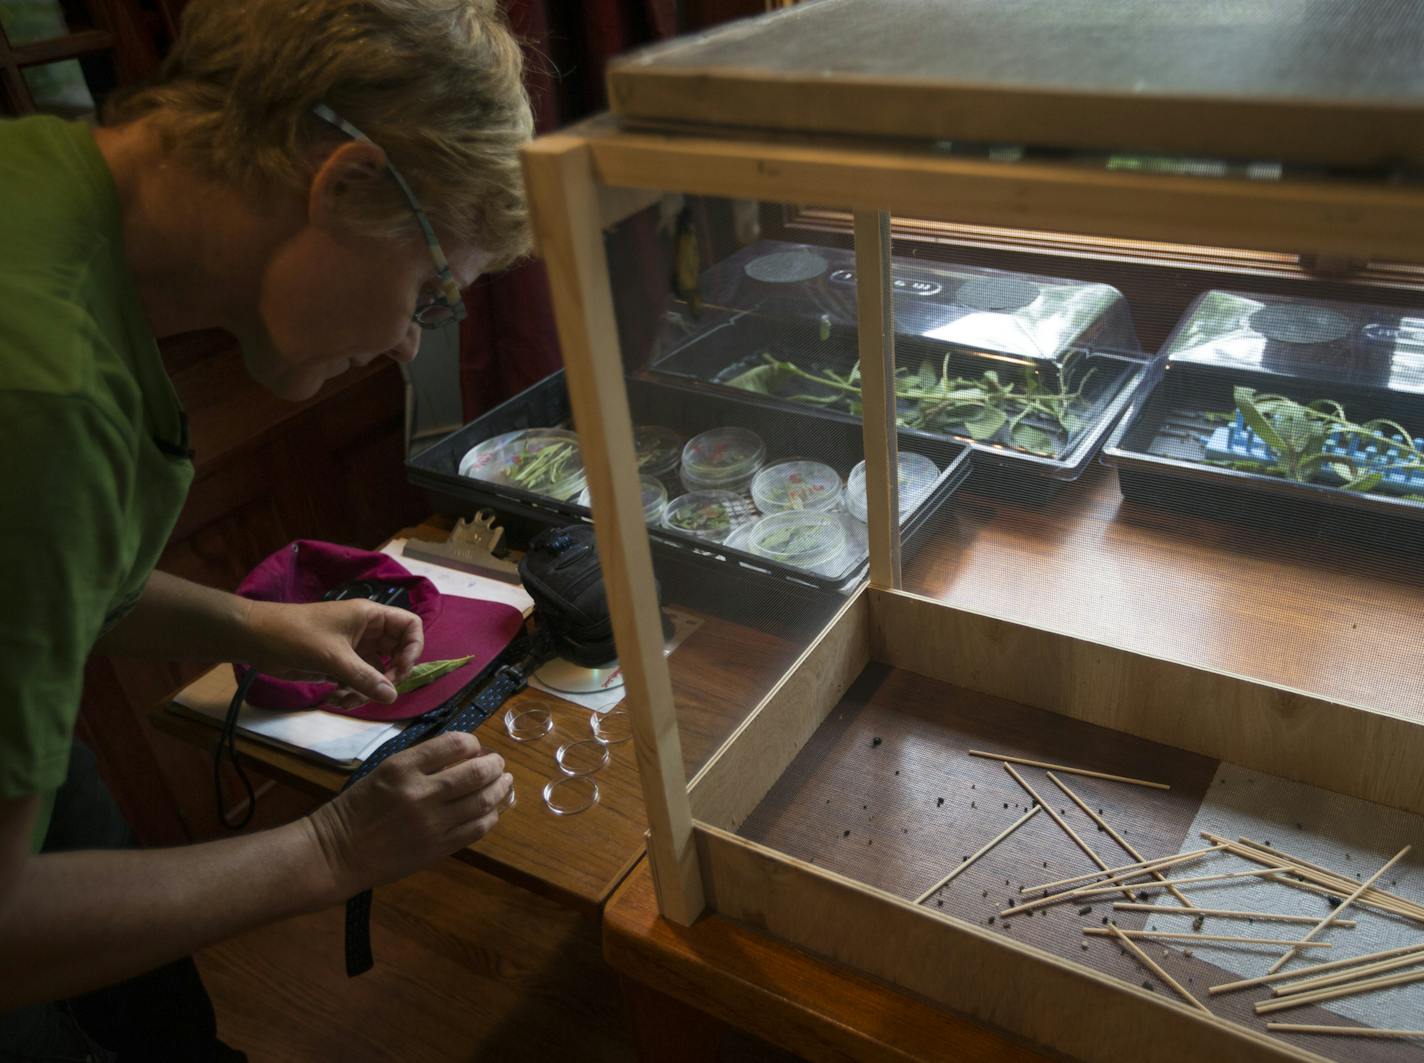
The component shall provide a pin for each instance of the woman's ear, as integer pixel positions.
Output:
(350, 167)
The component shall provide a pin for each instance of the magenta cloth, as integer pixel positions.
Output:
(305, 570)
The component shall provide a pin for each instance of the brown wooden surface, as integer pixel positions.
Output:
(468, 968)
(886, 795)
(818, 1010)
(1327, 618)
(1337, 82)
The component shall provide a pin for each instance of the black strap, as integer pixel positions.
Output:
(503, 677)
(227, 744)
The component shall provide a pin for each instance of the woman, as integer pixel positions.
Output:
(320, 178)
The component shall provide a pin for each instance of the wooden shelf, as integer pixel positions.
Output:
(1315, 616)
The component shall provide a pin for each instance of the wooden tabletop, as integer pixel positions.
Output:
(721, 669)
(814, 1008)
(1323, 616)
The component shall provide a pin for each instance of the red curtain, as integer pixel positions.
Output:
(508, 340)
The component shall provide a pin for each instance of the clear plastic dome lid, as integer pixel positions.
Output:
(811, 291)
(1311, 339)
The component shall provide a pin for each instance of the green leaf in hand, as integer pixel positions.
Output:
(426, 673)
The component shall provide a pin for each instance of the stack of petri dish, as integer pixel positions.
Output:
(722, 459)
(917, 479)
(654, 495)
(659, 452)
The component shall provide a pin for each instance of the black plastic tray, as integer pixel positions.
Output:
(1159, 456)
(708, 360)
(687, 411)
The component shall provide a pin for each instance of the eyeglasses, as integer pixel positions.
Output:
(446, 306)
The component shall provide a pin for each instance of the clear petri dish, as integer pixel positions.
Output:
(722, 459)
(529, 722)
(812, 541)
(543, 461)
(711, 515)
(583, 756)
(796, 485)
(654, 495)
(612, 728)
(509, 800)
(917, 479)
(570, 795)
(659, 449)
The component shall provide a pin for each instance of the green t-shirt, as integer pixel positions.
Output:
(89, 427)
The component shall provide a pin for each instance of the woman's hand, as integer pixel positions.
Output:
(363, 647)
(416, 808)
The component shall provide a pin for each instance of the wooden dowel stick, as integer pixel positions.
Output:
(1222, 913)
(1068, 769)
(1344, 884)
(1153, 966)
(1352, 974)
(1342, 1031)
(1094, 857)
(1371, 986)
(986, 847)
(1094, 891)
(1364, 900)
(1319, 968)
(1340, 909)
(1132, 870)
(1160, 935)
(1115, 836)
(1260, 853)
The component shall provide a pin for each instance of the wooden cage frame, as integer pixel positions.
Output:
(591, 176)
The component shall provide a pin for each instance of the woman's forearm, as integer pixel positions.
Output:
(179, 620)
(70, 922)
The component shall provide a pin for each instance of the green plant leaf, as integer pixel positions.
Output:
(985, 423)
(426, 673)
(758, 379)
(1246, 403)
(929, 375)
(1368, 482)
(1033, 439)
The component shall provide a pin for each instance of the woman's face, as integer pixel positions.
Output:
(331, 299)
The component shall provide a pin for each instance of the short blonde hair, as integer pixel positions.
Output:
(438, 84)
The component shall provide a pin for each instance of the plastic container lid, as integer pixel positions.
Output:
(918, 475)
(712, 515)
(654, 499)
(543, 461)
(796, 485)
(659, 449)
(722, 457)
(802, 540)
